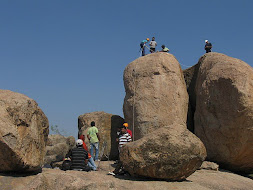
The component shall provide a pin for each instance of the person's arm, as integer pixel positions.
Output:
(88, 136)
(69, 154)
(98, 136)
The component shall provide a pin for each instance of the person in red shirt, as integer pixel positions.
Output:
(91, 162)
(128, 130)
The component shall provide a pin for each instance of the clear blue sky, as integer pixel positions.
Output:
(69, 56)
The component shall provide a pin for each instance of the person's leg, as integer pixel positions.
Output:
(142, 51)
(92, 164)
(91, 149)
(97, 150)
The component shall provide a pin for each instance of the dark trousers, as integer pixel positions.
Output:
(208, 50)
(143, 51)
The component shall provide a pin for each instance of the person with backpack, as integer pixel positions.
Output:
(208, 46)
(91, 162)
(164, 49)
(143, 45)
(152, 45)
(78, 157)
(94, 139)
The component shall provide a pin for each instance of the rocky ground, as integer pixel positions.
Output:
(54, 179)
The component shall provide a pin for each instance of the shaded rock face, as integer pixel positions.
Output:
(224, 111)
(107, 125)
(156, 91)
(23, 133)
(190, 76)
(57, 148)
(171, 153)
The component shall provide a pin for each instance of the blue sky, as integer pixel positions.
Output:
(69, 56)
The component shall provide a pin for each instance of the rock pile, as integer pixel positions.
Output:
(156, 91)
(23, 133)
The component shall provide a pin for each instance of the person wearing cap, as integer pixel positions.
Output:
(78, 157)
(164, 49)
(91, 162)
(94, 139)
(208, 46)
(143, 45)
(128, 130)
(152, 45)
(123, 139)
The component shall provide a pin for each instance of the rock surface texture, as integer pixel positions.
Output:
(23, 133)
(57, 148)
(53, 179)
(107, 125)
(171, 153)
(224, 111)
(156, 94)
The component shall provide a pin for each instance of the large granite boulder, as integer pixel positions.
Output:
(23, 133)
(224, 111)
(57, 148)
(156, 94)
(107, 125)
(170, 153)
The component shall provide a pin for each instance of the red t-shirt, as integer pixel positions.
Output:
(84, 145)
(130, 132)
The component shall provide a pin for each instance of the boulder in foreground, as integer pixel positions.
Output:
(23, 133)
(224, 111)
(170, 153)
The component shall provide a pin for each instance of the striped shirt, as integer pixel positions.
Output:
(78, 156)
(124, 139)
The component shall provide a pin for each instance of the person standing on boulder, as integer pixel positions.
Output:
(94, 139)
(208, 46)
(143, 45)
(152, 45)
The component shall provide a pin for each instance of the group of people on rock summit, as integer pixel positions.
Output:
(83, 159)
(153, 44)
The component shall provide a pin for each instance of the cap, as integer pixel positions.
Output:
(125, 124)
(206, 41)
(79, 142)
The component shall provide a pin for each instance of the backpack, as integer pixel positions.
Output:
(66, 165)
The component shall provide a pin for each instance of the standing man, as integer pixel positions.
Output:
(123, 139)
(152, 45)
(143, 45)
(208, 46)
(94, 139)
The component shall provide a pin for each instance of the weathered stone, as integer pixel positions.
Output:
(156, 93)
(57, 148)
(224, 111)
(107, 125)
(171, 153)
(209, 166)
(23, 133)
(54, 179)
